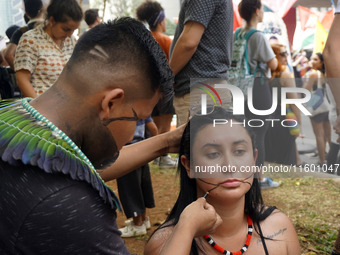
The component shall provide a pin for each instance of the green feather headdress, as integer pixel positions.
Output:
(26, 140)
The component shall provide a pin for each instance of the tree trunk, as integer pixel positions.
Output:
(104, 10)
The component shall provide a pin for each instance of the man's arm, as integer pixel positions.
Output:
(186, 45)
(143, 152)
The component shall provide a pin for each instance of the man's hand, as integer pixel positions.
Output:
(201, 217)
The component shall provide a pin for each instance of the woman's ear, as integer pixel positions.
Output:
(256, 152)
(186, 163)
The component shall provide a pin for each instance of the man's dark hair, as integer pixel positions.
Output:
(91, 16)
(33, 7)
(247, 8)
(10, 30)
(122, 45)
(64, 10)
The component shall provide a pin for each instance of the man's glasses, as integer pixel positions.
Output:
(284, 54)
(134, 118)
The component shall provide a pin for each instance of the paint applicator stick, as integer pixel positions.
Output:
(207, 193)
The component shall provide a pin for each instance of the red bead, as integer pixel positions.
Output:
(221, 250)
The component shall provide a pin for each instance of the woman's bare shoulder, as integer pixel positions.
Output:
(277, 218)
(157, 240)
(277, 226)
(287, 74)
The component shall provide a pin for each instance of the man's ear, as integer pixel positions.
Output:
(111, 99)
(186, 163)
(51, 21)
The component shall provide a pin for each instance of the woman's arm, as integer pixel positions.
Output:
(10, 54)
(288, 81)
(310, 81)
(279, 227)
(331, 55)
(272, 64)
(24, 83)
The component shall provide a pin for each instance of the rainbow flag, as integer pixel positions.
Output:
(320, 37)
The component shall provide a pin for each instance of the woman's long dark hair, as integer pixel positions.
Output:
(254, 206)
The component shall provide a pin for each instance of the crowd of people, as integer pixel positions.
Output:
(99, 108)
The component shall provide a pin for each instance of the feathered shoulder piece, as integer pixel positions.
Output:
(24, 139)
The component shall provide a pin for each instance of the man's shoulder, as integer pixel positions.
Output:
(34, 179)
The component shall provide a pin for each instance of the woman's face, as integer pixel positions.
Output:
(283, 55)
(163, 25)
(315, 62)
(62, 30)
(225, 146)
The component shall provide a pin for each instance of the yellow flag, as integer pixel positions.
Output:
(320, 37)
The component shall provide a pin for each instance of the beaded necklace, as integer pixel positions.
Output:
(40, 117)
(211, 241)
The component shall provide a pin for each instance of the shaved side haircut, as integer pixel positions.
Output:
(124, 45)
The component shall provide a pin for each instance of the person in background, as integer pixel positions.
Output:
(43, 52)
(153, 14)
(262, 60)
(334, 148)
(280, 141)
(91, 17)
(235, 195)
(201, 48)
(9, 32)
(7, 75)
(34, 10)
(300, 64)
(135, 189)
(320, 121)
(332, 63)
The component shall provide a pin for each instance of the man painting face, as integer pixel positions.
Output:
(131, 74)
